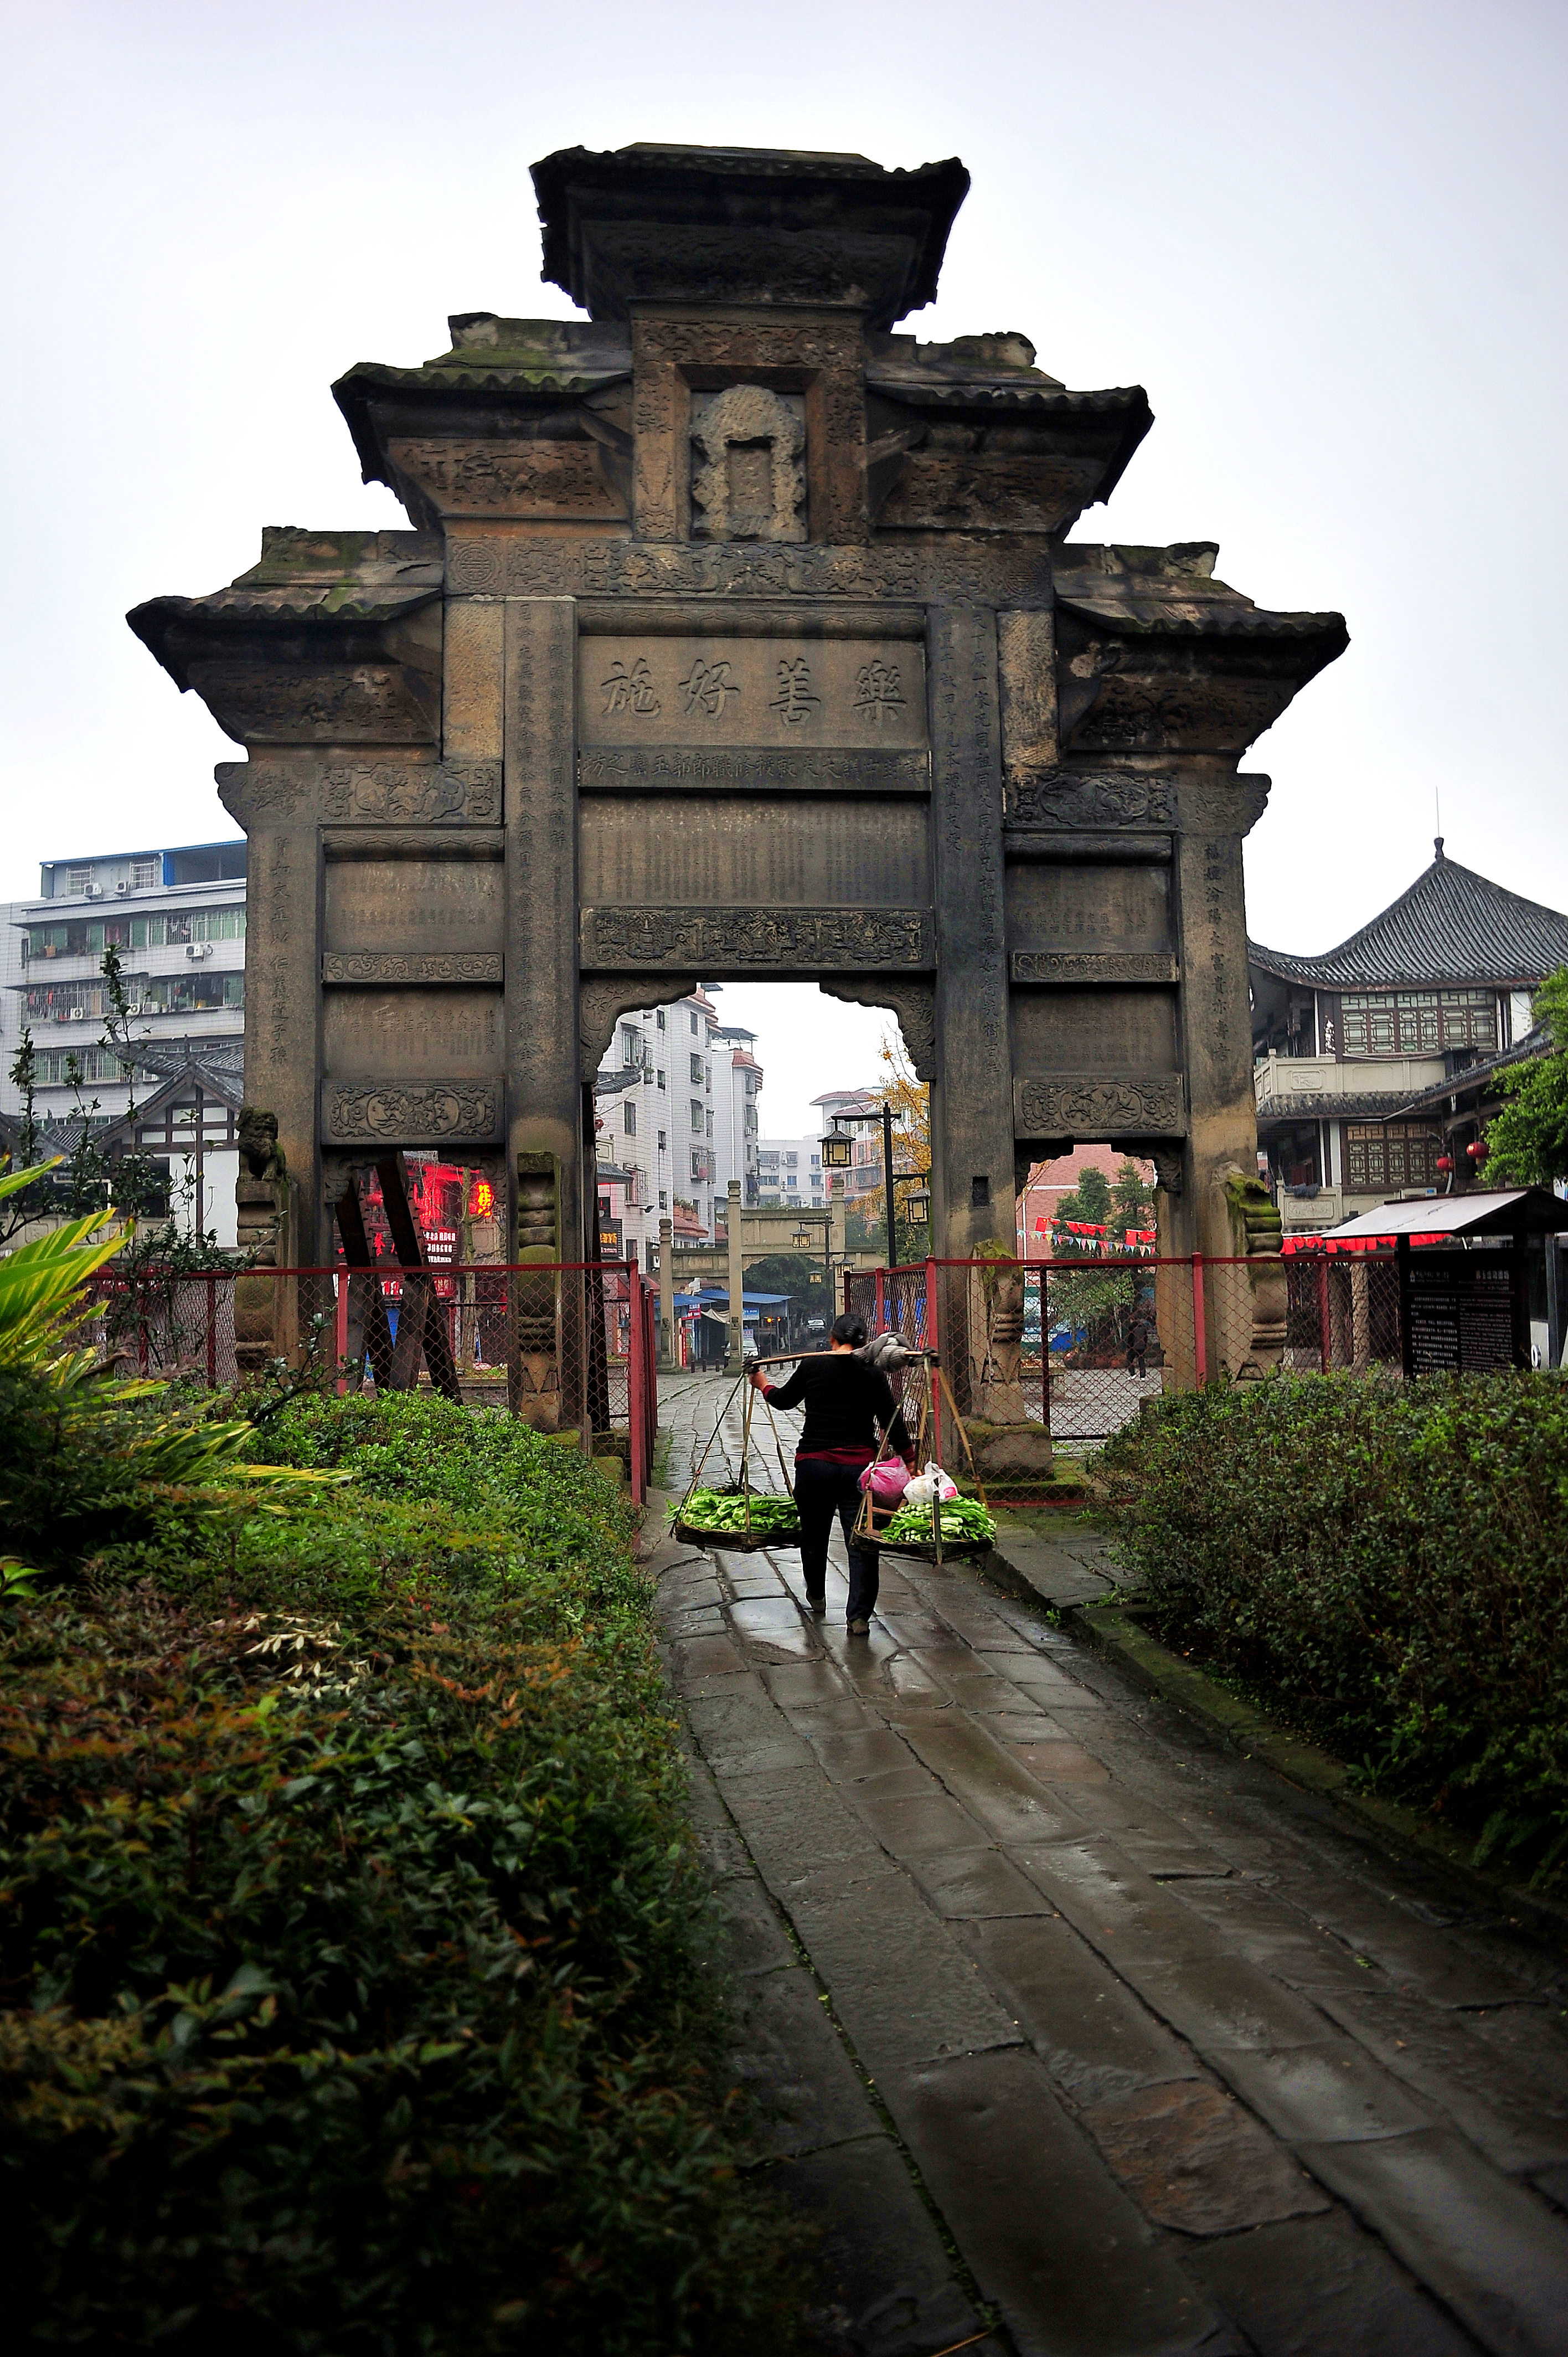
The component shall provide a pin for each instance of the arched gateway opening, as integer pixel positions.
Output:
(737, 636)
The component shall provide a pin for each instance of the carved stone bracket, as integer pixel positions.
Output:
(914, 1004)
(1168, 1177)
(412, 1113)
(1095, 965)
(748, 476)
(755, 940)
(1088, 1105)
(411, 965)
(600, 1006)
(1078, 798)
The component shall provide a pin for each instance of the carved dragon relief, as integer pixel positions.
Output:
(1100, 1107)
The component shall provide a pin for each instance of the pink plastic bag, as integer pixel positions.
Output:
(885, 1481)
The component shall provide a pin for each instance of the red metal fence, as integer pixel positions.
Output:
(565, 1345)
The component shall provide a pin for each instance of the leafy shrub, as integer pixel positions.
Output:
(1391, 1561)
(347, 1913)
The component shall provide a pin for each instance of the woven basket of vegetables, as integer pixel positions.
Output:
(737, 1522)
(957, 1526)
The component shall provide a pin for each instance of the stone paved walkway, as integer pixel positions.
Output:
(1070, 2025)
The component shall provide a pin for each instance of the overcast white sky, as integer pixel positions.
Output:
(1328, 238)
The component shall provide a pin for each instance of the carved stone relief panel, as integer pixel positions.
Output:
(677, 362)
(432, 905)
(748, 467)
(713, 941)
(405, 792)
(1099, 1107)
(1088, 799)
(443, 793)
(1070, 1028)
(1085, 907)
(792, 692)
(509, 477)
(259, 702)
(417, 1112)
(941, 491)
(1093, 966)
(647, 769)
(403, 1034)
(962, 571)
(362, 966)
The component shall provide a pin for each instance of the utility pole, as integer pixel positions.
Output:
(887, 1183)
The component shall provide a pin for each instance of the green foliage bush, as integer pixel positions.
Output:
(1391, 1561)
(346, 1927)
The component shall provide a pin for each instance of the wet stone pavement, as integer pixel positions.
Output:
(1077, 2033)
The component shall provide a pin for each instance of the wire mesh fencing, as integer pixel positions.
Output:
(1343, 1313)
(565, 1346)
(1078, 1346)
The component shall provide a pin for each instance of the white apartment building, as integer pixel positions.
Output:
(789, 1170)
(176, 917)
(737, 1084)
(671, 1095)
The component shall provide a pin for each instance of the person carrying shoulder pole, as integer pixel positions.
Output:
(845, 1399)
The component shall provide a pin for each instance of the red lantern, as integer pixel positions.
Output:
(1444, 1163)
(1477, 1149)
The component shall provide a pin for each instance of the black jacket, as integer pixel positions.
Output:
(844, 1402)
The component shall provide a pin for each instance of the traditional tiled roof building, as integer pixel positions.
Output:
(1359, 1051)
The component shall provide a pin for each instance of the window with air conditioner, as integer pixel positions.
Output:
(146, 874)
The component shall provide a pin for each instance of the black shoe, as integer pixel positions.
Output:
(817, 1605)
(860, 1627)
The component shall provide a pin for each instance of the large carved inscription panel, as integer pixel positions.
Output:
(404, 1034)
(446, 905)
(1108, 1028)
(1083, 907)
(734, 849)
(798, 694)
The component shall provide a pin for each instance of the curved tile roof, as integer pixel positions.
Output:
(1452, 925)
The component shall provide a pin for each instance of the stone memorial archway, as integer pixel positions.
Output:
(737, 635)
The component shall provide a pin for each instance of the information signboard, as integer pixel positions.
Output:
(1462, 1312)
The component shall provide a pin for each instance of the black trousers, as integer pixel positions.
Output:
(822, 1490)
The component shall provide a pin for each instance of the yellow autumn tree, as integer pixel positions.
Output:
(911, 1100)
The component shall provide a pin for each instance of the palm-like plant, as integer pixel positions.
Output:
(70, 1415)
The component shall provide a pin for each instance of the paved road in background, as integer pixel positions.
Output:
(1031, 1973)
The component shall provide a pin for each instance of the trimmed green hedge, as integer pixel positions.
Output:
(1389, 1562)
(348, 1914)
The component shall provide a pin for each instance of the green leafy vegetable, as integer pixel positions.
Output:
(961, 1519)
(727, 1510)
